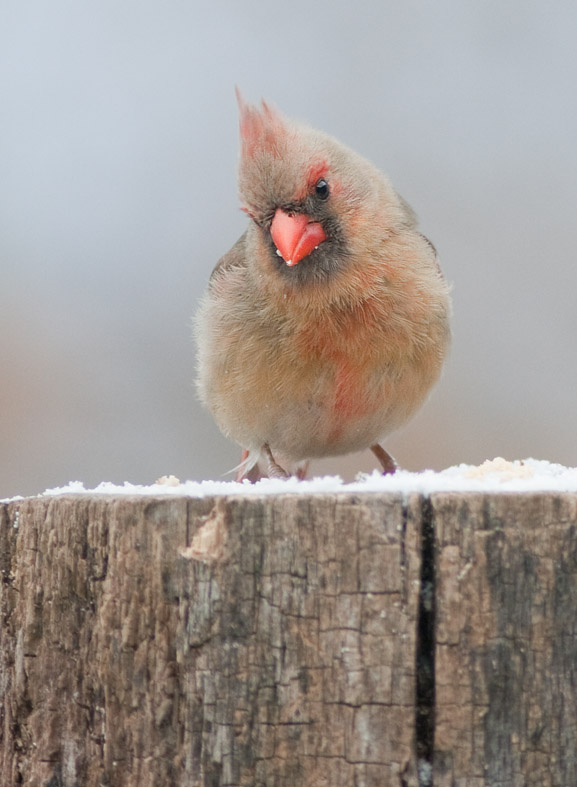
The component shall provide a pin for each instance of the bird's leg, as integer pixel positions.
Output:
(253, 475)
(274, 469)
(387, 462)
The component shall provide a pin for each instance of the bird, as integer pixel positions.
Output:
(326, 325)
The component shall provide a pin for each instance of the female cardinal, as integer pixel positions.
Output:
(327, 323)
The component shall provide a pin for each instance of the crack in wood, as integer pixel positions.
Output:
(425, 650)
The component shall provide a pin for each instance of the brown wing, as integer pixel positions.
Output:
(434, 250)
(412, 222)
(234, 258)
(410, 214)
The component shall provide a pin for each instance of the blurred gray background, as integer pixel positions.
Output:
(118, 151)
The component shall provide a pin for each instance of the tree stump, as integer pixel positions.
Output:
(323, 640)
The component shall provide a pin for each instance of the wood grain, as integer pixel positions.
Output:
(323, 641)
(227, 641)
(506, 640)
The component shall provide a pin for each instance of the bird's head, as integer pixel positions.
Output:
(308, 194)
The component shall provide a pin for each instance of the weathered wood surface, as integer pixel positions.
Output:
(328, 640)
(506, 640)
(277, 650)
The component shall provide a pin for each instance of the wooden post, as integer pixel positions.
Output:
(506, 639)
(327, 640)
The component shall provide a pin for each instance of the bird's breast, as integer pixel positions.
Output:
(344, 349)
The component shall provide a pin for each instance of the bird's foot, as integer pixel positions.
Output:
(274, 469)
(253, 474)
(387, 462)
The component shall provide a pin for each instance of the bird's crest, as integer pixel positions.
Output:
(261, 129)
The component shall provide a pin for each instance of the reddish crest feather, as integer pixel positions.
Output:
(263, 129)
(260, 129)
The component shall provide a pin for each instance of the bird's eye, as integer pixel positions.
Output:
(322, 189)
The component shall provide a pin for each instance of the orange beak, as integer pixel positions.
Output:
(295, 236)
